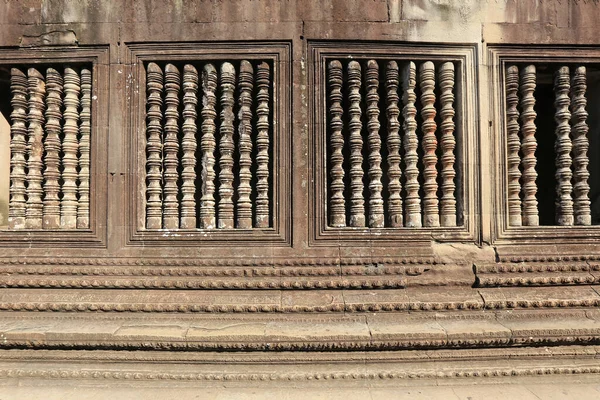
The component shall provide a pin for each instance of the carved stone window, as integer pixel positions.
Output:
(51, 103)
(212, 142)
(393, 141)
(548, 178)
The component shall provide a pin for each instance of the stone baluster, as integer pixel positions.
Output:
(51, 203)
(18, 149)
(429, 144)
(154, 149)
(393, 145)
(447, 144)
(562, 147)
(357, 202)
(263, 79)
(208, 145)
(189, 145)
(85, 129)
(171, 148)
(70, 148)
(36, 88)
(412, 204)
(528, 146)
(579, 128)
(376, 216)
(244, 204)
(513, 145)
(226, 147)
(337, 212)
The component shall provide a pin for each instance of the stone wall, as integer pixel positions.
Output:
(302, 281)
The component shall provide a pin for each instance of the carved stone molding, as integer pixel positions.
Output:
(400, 373)
(224, 262)
(259, 274)
(318, 300)
(532, 274)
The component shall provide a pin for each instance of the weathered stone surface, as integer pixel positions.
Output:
(293, 301)
(87, 11)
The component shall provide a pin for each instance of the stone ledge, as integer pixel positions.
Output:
(298, 332)
(114, 368)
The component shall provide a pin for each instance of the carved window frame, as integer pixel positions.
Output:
(466, 105)
(96, 234)
(279, 53)
(499, 57)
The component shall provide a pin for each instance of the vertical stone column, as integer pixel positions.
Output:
(528, 147)
(579, 128)
(447, 144)
(189, 145)
(244, 204)
(70, 147)
(208, 145)
(226, 147)
(36, 88)
(412, 212)
(263, 80)
(513, 144)
(85, 130)
(337, 205)
(431, 216)
(18, 149)
(51, 210)
(395, 219)
(376, 217)
(154, 161)
(357, 202)
(562, 147)
(171, 148)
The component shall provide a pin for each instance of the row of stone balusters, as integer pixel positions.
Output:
(50, 149)
(172, 182)
(435, 211)
(571, 146)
